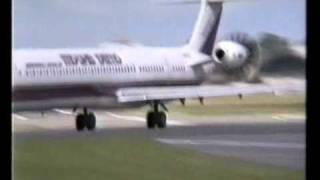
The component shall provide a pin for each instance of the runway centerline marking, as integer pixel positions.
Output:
(129, 118)
(20, 117)
(287, 116)
(62, 111)
(140, 119)
(233, 143)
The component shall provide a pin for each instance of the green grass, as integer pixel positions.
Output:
(132, 159)
(251, 105)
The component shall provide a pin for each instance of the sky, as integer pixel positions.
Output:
(83, 23)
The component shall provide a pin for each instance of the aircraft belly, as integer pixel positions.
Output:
(70, 102)
(78, 95)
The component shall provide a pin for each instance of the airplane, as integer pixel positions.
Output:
(131, 76)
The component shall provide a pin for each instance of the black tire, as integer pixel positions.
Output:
(80, 122)
(150, 120)
(161, 120)
(91, 121)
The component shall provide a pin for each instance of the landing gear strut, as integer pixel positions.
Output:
(156, 117)
(85, 119)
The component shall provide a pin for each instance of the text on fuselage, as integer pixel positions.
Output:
(87, 59)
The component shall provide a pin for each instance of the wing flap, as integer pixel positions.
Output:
(136, 94)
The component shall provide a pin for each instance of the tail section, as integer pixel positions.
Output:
(206, 27)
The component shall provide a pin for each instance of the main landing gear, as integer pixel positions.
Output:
(85, 120)
(156, 117)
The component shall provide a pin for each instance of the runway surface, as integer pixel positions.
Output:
(276, 140)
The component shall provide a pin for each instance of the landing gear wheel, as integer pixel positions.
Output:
(151, 120)
(80, 122)
(161, 120)
(91, 121)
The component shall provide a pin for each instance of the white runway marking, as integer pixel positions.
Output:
(287, 116)
(63, 112)
(129, 118)
(20, 117)
(140, 119)
(68, 113)
(233, 143)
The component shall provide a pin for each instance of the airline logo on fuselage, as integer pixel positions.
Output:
(87, 59)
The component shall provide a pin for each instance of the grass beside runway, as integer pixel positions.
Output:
(129, 158)
(250, 105)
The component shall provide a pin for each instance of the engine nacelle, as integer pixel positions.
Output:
(230, 54)
(238, 57)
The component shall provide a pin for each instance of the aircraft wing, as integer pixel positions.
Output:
(136, 94)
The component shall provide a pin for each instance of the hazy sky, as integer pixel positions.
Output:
(88, 23)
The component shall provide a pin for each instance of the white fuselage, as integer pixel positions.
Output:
(84, 77)
(95, 66)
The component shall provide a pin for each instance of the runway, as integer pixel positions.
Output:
(275, 140)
